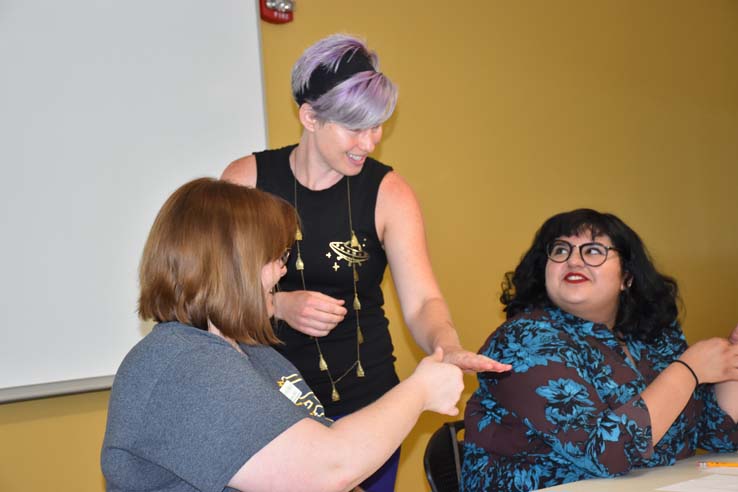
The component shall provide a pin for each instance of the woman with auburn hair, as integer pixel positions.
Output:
(357, 216)
(204, 402)
(603, 381)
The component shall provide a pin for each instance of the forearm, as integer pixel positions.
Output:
(727, 398)
(362, 441)
(431, 327)
(666, 397)
(336, 458)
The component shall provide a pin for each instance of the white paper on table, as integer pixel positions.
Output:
(711, 482)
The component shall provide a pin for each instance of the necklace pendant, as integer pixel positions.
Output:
(322, 364)
(357, 304)
(299, 265)
(298, 235)
(354, 241)
(334, 394)
(359, 370)
(359, 335)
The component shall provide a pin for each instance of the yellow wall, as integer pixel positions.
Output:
(509, 112)
(53, 444)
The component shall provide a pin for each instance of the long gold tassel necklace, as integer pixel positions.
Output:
(300, 267)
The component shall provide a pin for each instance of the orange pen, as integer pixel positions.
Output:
(716, 464)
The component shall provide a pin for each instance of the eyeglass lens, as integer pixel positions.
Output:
(285, 256)
(593, 254)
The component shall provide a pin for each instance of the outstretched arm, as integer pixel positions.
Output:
(340, 457)
(402, 232)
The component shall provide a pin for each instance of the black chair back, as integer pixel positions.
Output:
(442, 460)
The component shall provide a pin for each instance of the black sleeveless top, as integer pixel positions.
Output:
(325, 226)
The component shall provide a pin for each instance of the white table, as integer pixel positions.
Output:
(650, 479)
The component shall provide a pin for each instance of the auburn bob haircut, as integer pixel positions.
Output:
(204, 255)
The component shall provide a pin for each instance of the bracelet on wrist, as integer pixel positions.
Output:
(694, 375)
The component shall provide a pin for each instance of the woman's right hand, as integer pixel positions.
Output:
(713, 360)
(309, 312)
(442, 382)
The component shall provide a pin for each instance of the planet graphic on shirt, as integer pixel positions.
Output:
(352, 255)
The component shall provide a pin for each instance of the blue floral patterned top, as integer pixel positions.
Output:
(570, 409)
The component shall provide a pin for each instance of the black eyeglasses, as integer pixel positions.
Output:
(285, 256)
(593, 254)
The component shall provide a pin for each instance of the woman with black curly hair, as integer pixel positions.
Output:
(603, 381)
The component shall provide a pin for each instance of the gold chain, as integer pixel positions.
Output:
(300, 267)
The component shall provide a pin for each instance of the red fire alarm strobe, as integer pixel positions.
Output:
(276, 11)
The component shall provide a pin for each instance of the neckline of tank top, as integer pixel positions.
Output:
(302, 187)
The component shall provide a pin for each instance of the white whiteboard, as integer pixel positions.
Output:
(106, 107)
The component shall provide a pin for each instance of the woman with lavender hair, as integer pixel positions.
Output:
(357, 215)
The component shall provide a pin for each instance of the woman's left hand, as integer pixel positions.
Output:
(471, 362)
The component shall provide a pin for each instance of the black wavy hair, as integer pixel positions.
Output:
(647, 307)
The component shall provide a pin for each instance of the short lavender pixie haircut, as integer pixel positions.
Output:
(364, 100)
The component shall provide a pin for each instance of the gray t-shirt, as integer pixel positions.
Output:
(187, 410)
